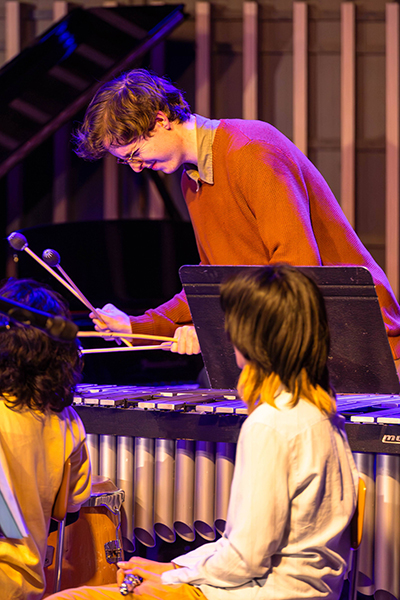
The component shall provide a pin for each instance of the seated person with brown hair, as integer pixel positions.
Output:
(294, 488)
(39, 431)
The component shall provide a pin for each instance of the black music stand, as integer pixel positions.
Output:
(360, 360)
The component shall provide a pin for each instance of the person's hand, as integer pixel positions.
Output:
(113, 319)
(187, 341)
(150, 572)
(136, 564)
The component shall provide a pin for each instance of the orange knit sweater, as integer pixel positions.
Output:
(268, 204)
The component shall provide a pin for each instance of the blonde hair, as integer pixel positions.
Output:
(253, 392)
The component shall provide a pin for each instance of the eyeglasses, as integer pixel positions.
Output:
(131, 159)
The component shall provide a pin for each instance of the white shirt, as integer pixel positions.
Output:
(293, 495)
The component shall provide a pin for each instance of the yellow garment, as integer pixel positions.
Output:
(111, 592)
(35, 447)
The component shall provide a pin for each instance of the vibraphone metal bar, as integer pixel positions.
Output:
(372, 421)
(173, 450)
(171, 413)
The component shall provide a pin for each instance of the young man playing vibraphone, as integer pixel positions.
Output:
(252, 196)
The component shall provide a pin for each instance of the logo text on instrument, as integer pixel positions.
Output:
(391, 439)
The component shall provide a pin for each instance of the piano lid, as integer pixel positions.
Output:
(56, 76)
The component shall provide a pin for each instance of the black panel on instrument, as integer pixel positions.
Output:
(52, 79)
(360, 360)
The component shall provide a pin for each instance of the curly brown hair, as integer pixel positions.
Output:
(125, 109)
(36, 371)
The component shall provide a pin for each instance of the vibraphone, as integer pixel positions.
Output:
(173, 450)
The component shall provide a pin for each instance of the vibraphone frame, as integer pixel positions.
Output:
(363, 437)
(375, 446)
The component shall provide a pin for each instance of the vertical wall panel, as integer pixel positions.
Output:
(14, 185)
(203, 63)
(392, 145)
(348, 110)
(12, 29)
(61, 148)
(300, 75)
(250, 60)
(60, 9)
(111, 203)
